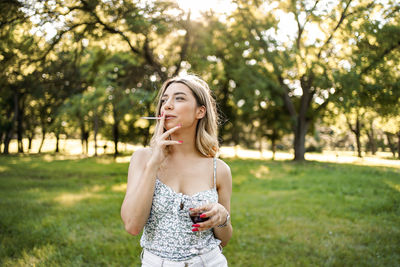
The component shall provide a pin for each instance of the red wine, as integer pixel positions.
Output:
(196, 218)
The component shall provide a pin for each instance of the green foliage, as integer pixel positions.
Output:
(107, 58)
(283, 214)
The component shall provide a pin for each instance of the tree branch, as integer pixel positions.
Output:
(301, 27)
(350, 125)
(57, 40)
(285, 94)
(322, 106)
(379, 58)
(185, 46)
(7, 22)
(87, 8)
(342, 17)
(148, 53)
(286, 99)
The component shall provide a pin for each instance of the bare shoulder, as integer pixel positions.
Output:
(224, 175)
(140, 156)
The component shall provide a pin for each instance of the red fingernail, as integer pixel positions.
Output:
(190, 208)
(203, 215)
(196, 225)
(195, 230)
(162, 113)
(180, 142)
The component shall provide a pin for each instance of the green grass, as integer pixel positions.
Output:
(66, 213)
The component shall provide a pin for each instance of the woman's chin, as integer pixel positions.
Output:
(173, 121)
(170, 125)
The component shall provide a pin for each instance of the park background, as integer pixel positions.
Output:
(308, 94)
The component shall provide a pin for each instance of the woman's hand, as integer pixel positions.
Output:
(216, 213)
(161, 142)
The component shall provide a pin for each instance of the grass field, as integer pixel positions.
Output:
(66, 213)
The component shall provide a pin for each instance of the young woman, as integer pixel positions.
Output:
(178, 175)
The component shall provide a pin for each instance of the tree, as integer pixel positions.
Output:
(156, 34)
(15, 48)
(147, 30)
(241, 90)
(369, 83)
(303, 66)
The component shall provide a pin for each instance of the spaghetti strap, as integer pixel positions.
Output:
(215, 173)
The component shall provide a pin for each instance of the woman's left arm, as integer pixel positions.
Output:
(218, 211)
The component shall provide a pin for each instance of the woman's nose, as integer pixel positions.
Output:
(168, 105)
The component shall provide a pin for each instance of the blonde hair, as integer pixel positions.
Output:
(207, 127)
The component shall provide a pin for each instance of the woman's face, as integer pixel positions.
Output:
(179, 106)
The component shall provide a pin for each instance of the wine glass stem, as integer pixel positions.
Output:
(199, 236)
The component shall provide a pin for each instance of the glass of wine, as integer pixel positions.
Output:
(195, 217)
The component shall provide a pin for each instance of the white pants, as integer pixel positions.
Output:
(213, 258)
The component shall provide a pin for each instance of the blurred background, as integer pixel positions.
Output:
(314, 84)
(293, 76)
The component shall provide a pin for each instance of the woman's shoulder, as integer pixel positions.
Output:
(223, 170)
(141, 155)
(143, 151)
(222, 165)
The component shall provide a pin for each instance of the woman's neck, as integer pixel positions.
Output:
(187, 148)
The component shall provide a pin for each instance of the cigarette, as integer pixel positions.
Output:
(151, 118)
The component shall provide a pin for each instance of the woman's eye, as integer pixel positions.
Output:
(180, 98)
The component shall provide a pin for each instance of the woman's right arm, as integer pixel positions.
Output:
(135, 209)
(136, 206)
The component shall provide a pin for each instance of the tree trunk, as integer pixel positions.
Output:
(43, 137)
(57, 143)
(87, 143)
(20, 145)
(390, 143)
(301, 119)
(115, 130)
(358, 137)
(95, 130)
(235, 139)
(260, 148)
(146, 139)
(84, 143)
(9, 134)
(398, 144)
(371, 138)
(1, 140)
(30, 138)
(116, 137)
(357, 132)
(19, 127)
(7, 140)
(84, 139)
(273, 146)
(300, 138)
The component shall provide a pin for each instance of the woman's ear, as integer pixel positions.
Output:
(201, 112)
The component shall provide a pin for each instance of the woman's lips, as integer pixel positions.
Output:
(170, 117)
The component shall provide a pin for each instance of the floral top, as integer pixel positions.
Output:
(168, 231)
